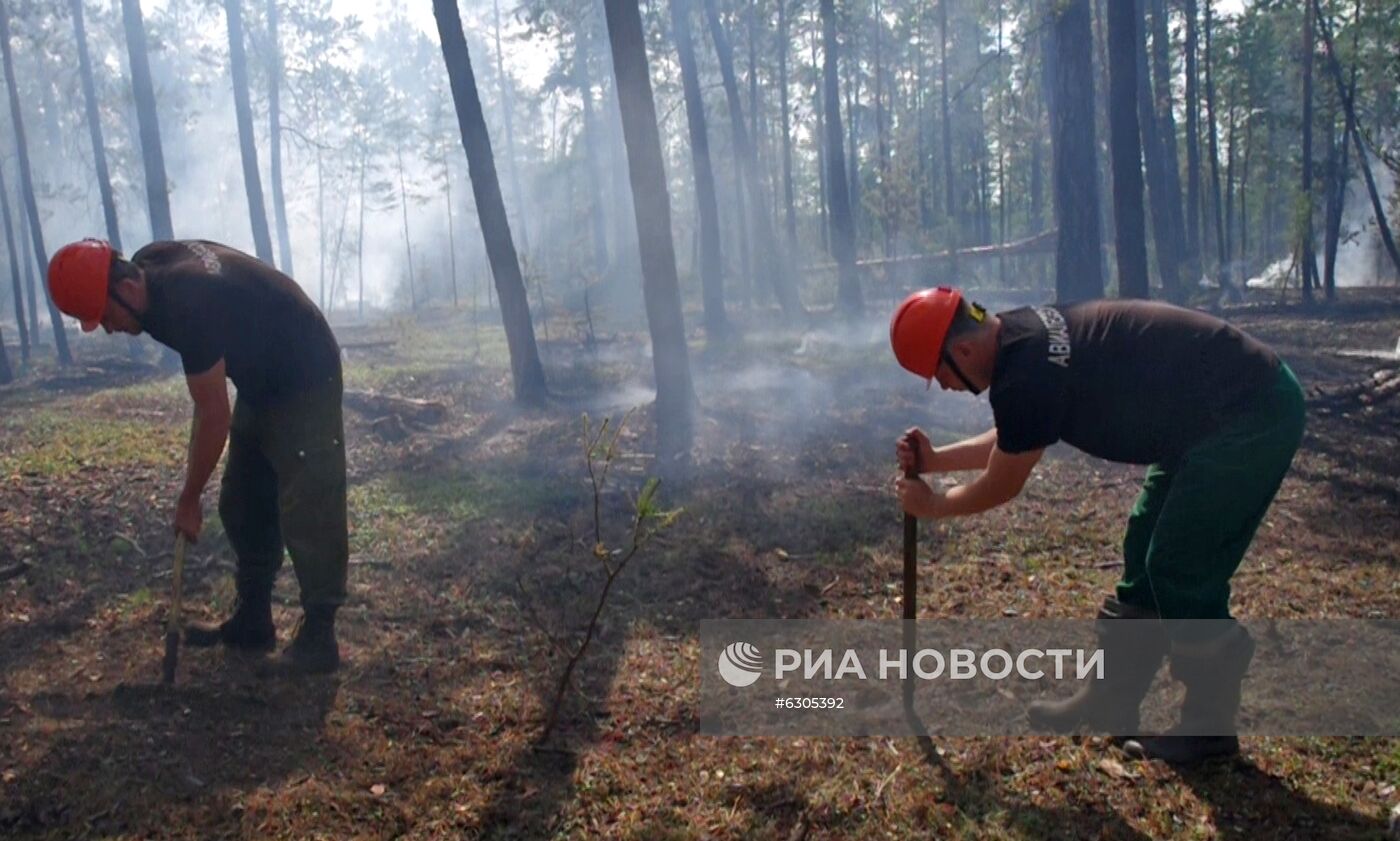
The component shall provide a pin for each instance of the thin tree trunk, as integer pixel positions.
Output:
(274, 120)
(1227, 284)
(360, 240)
(882, 147)
(707, 206)
(1305, 229)
(94, 121)
(1070, 83)
(16, 258)
(819, 140)
(526, 369)
(407, 241)
(590, 143)
(451, 228)
(1130, 229)
(1154, 157)
(1001, 150)
(1337, 168)
(152, 156)
(1193, 148)
(675, 393)
(949, 183)
(30, 285)
(790, 209)
(1166, 130)
(843, 233)
(507, 109)
(247, 143)
(774, 259)
(1336, 70)
(31, 205)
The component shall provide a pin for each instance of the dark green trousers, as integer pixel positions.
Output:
(1195, 519)
(284, 485)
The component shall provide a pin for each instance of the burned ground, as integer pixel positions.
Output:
(472, 557)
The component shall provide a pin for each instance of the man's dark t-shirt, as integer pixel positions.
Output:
(1129, 381)
(209, 302)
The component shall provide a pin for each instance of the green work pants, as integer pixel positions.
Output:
(284, 485)
(1195, 518)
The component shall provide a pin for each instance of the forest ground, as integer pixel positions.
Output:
(469, 553)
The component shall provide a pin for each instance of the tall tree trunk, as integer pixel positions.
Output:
(843, 232)
(94, 121)
(152, 156)
(360, 240)
(508, 108)
(30, 285)
(707, 206)
(525, 365)
(882, 147)
(774, 259)
(1154, 157)
(1070, 84)
(1001, 150)
(788, 206)
(675, 393)
(1166, 130)
(1336, 70)
(949, 183)
(16, 258)
(451, 228)
(1130, 229)
(407, 241)
(819, 141)
(247, 143)
(1227, 283)
(1193, 148)
(1305, 226)
(582, 48)
(26, 179)
(274, 139)
(1337, 169)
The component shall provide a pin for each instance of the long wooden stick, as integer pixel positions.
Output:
(172, 622)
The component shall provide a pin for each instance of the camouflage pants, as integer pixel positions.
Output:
(284, 485)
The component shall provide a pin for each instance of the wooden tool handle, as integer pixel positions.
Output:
(172, 622)
(911, 541)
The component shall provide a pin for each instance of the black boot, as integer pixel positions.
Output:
(1212, 672)
(314, 650)
(250, 627)
(1134, 643)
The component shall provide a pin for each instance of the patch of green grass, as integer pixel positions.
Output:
(396, 510)
(57, 444)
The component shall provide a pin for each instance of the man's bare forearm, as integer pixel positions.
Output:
(208, 432)
(967, 454)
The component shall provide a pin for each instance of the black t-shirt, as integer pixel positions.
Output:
(1129, 381)
(209, 302)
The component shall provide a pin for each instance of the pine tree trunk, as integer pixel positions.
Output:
(15, 260)
(843, 233)
(1166, 131)
(788, 206)
(707, 206)
(507, 109)
(407, 241)
(1305, 226)
(274, 120)
(29, 283)
(590, 143)
(1221, 214)
(152, 156)
(1156, 163)
(526, 369)
(1193, 148)
(675, 393)
(949, 183)
(99, 150)
(26, 180)
(247, 143)
(1070, 83)
(360, 240)
(774, 259)
(451, 228)
(1130, 229)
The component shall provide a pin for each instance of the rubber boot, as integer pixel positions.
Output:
(1134, 644)
(314, 650)
(250, 627)
(1213, 672)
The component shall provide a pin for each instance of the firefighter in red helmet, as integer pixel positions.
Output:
(1215, 415)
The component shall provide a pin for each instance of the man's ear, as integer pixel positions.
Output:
(963, 348)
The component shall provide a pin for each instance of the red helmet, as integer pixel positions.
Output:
(78, 280)
(919, 327)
